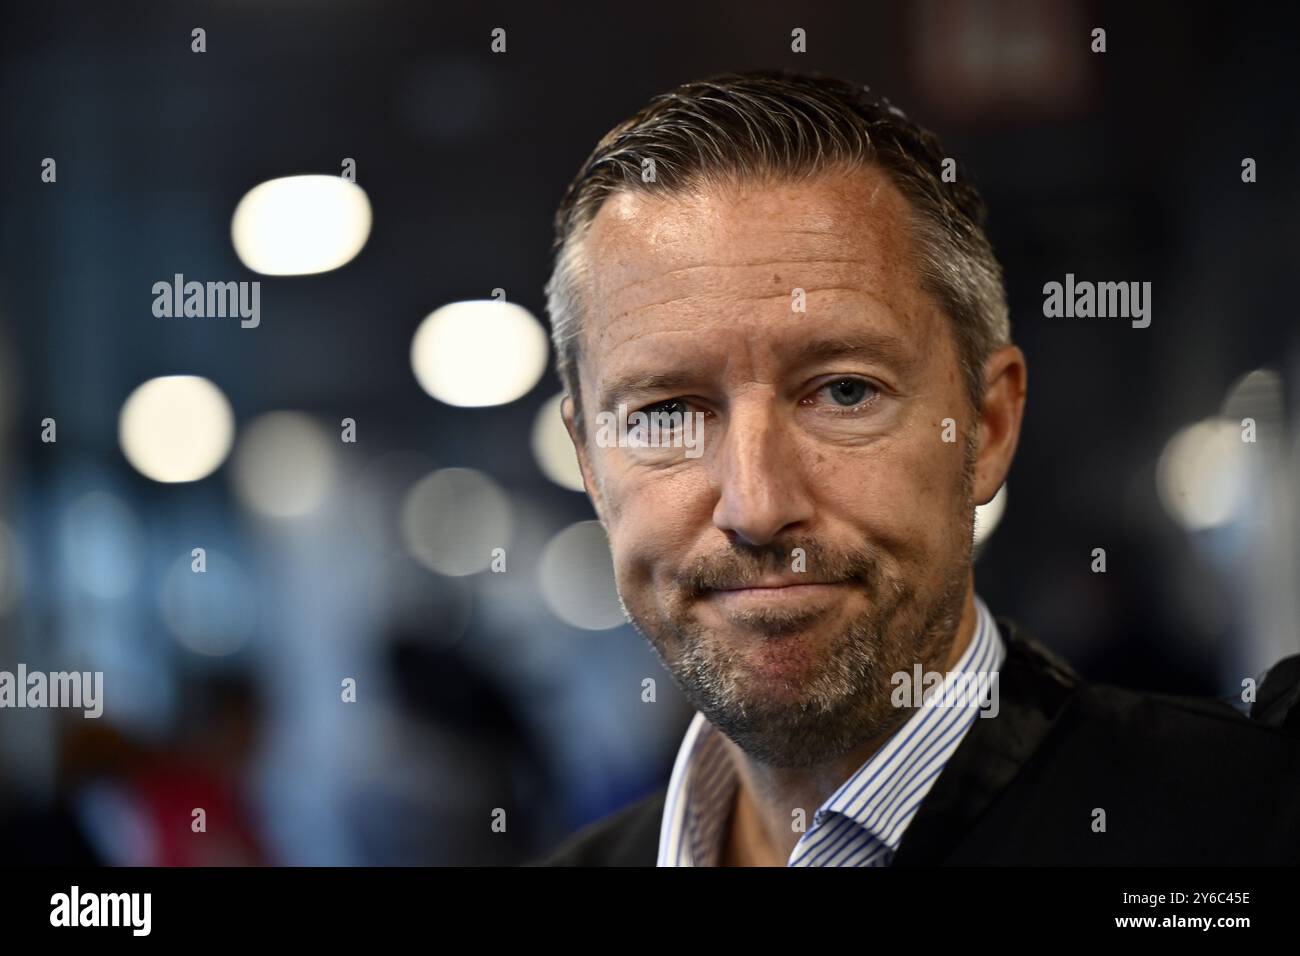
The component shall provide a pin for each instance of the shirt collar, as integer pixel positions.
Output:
(862, 822)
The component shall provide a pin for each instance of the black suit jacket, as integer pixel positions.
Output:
(1182, 780)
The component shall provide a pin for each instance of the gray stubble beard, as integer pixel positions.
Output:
(847, 701)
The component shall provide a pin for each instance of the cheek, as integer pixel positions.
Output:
(656, 522)
(901, 498)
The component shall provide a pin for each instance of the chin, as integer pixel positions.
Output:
(783, 665)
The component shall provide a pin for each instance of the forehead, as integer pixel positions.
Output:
(731, 255)
(860, 205)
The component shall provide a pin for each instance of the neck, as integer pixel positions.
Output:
(761, 831)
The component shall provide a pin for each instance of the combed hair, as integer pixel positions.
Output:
(775, 125)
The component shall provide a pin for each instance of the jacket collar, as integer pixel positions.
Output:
(1034, 685)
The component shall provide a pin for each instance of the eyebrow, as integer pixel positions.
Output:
(878, 346)
(636, 383)
(886, 349)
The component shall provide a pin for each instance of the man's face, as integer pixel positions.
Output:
(821, 541)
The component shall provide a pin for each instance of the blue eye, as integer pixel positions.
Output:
(847, 392)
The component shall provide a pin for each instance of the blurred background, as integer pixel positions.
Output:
(347, 672)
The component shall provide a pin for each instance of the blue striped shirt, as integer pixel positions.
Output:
(863, 822)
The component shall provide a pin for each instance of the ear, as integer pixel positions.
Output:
(589, 482)
(1005, 379)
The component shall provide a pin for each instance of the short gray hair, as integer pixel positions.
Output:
(775, 124)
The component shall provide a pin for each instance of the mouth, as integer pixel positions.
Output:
(783, 594)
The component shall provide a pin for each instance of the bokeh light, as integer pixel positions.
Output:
(1258, 394)
(298, 225)
(1201, 476)
(478, 353)
(576, 576)
(553, 449)
(284, 465)
(176, 428)
(453, 519)
(210, 612)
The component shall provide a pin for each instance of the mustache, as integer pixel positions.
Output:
(744, 565)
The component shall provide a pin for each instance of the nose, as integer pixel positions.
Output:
(761, 486)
